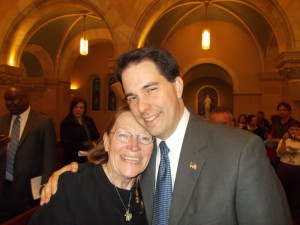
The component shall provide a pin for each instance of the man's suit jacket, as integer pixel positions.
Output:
(224, 177)
(35, 155)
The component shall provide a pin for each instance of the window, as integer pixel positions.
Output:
(112, 100)
(96, 94)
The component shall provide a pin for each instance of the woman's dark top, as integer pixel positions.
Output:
(258, 131)
(73, 137)
(88, 198)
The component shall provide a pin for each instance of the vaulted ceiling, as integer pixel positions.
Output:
(56, 29)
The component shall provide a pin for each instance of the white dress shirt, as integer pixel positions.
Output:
(174, 143)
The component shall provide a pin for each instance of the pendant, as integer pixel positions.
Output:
(128, 215)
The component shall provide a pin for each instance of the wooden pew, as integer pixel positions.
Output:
(23, 218)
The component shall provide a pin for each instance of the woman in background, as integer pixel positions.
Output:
(78, 132)
(242, 120)
(252, 126)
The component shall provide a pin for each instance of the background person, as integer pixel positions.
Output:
(222, 115)
(263, 123)
(242, 120)
(106, 190)
(280, 126)
(289, 167)
(29, 154)
(78, 132)
(252, 126)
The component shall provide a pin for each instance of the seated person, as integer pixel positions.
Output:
(106, 189)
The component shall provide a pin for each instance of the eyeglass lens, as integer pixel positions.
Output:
(126, 136)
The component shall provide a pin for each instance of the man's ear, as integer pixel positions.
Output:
(178, 84)
(106, 142)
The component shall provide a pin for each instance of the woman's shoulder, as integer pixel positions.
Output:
(85, 174)
(88, 118)
(68, 119)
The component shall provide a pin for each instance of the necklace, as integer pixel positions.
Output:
(128, 215)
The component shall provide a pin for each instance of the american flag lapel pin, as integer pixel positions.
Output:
(193, 165)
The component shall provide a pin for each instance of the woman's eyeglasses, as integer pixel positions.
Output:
(125, 136)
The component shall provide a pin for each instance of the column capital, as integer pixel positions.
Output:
(270, 76)
(10, 75)
(288, 64)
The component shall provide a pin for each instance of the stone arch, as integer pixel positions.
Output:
(25, 25)
(69, 56)
(219, 63)
(44, 59)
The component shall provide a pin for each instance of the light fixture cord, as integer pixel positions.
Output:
(206, 4)
(84, 26)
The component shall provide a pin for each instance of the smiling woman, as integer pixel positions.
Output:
(111, 178)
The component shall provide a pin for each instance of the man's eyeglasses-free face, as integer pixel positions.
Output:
(125, 136)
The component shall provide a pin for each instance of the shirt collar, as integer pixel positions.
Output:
(23, 115)
(178, 134)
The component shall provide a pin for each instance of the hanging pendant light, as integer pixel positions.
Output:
(206, 32)
(84, 43)
(205, 39)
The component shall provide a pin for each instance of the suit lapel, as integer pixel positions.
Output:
(192, 157)
(148, 184)
(30, 122)
(6, 123)
(5, 128)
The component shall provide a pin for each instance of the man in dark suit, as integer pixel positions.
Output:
(34, 156)
(220, 175)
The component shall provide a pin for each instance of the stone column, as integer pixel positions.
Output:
(288, 64)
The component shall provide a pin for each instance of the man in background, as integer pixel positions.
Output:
(27, 150)
(280, 127)
(263, 123)
(222, 115)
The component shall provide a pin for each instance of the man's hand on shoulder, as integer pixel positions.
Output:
(51, 187)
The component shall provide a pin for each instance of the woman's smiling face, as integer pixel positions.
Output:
(126, 160)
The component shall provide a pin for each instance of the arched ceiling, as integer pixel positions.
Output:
(207, 70)
(57, 28)
(61, 30)
(243, 15)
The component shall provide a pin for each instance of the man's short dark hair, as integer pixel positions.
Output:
(285, 104)
(250, 117)
(260, 112)
(294, 123)
(163, 60)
